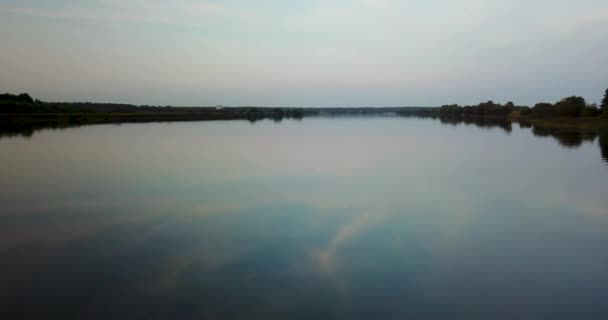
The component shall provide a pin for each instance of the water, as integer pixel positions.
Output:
(324, 218)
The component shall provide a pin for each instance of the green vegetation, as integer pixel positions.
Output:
(566, 108)
(23, 111)
(22, 98)
(484, 109)
(570, 107)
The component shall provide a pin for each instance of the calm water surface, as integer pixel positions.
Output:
(344, 218)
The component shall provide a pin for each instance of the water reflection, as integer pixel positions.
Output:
(329, 218)
(479, 122)
(9, 130)
(604, 143)
(568, 137)
(575, 137)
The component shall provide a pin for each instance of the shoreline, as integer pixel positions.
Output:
(569, 132)
(58, 119)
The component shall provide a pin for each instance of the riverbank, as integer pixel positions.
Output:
(589, 123)
(69, 119)
(99, 118)
(27, 124)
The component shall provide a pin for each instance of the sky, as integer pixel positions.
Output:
(317, 53)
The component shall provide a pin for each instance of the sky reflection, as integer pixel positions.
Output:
(302, 220)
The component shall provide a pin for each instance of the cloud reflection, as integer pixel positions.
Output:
(327, 257)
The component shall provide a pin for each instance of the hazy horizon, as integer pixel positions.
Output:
(322, 53)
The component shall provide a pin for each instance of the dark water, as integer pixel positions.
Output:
(381, 218)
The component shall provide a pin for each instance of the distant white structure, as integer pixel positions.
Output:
(219, 107)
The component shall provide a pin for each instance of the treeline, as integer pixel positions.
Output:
(25, 104)
(567, 107)
(572, 107)
(483, 109)
(21, 98)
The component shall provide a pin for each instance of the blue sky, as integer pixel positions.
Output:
(319, 53)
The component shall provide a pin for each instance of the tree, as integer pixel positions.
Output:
(605, 101)
(24, 97)
(543, 109)
(590, 111)
(570, 106)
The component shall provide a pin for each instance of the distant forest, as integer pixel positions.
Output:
(570, 107)
(24, 104)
